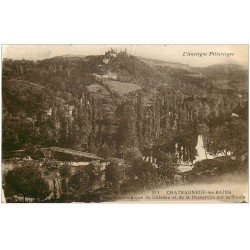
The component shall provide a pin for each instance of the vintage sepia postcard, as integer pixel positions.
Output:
(125, 123)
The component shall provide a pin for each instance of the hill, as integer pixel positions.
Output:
(157, 62)
(227, 75)
(115, 99)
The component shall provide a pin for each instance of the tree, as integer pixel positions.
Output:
(78, 184)
(10, 138)
(52, 171)
(167, 171)
(115, 173)
(127, 131)
(230, 137)
(139, 167)
(161, 156)
(64, 172)
(146, 173)
(27, 181)
(130, 154)
(106, 152)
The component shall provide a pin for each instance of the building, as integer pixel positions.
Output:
(106, 60)
(111, 53)
(234, 115)
(49, 111)
(110, 75)
(108, 55)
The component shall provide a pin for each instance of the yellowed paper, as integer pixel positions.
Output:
(125, 123)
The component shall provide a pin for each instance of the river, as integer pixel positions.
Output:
(186, 163)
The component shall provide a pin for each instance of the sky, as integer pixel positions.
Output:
(238, 54)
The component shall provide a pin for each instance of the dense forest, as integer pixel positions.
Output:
(115, 100)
